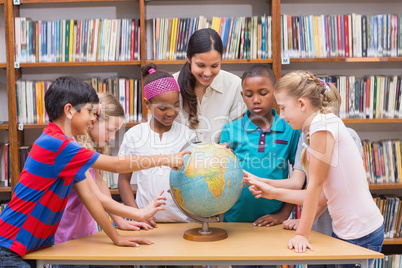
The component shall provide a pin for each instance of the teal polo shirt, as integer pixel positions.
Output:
(264, 153)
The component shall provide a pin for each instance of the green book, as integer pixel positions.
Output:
(67, 41)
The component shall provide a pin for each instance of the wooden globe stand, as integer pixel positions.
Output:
(205, 234)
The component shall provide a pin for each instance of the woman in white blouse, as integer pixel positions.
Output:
(210, 97)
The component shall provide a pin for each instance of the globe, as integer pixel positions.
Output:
(209, 183)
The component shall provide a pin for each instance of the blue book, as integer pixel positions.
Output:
(309, 38)
(263, 36)
(44, 36)
(343, 36)
(299, 20)
(225, 37)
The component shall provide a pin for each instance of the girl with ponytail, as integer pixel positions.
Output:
(337, 178)
(210, 97)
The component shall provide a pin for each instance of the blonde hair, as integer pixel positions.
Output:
(322, 95)
(108, 106)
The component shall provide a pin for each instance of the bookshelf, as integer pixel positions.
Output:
(145, 10)
(372, 129)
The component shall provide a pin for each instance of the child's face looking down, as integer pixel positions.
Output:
(81, 120)
(258, 95)
(104, 131)
(165, 108)
(290, 109)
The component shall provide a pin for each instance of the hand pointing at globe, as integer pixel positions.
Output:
(175, 161)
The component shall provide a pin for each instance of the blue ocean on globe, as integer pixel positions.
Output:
(209, 183)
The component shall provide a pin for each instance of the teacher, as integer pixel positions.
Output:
(209, 97)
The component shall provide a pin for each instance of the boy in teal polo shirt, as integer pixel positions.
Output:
(264, 145)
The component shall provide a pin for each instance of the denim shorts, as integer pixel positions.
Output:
(371, 241)
(10, 259)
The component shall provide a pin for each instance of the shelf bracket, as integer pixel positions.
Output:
(16, 2)
(16, 65)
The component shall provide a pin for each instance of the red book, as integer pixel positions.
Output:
(341, 53)
(346, 34)
(377, 173)
(132, 39)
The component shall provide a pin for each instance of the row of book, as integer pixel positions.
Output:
(375, 96)
(390, 207)
(389, 261)
(127, 90)
(76, 40)
(5, 175)
(242, 37)
(31, 105)
(382, 161)
(351, 35)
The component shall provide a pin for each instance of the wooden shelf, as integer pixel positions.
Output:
(371, 121)
(377, 59)
(393, 241)
(131, 124)
(182, 62)
(385, 186)
(69, 1)
(116, 191)
(4, 126)
(38, 126)
(317, 60)
(75, 64)
(2, 64)
(5, 189)
(34, 126)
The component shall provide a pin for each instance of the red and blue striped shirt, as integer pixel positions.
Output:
(54, 164)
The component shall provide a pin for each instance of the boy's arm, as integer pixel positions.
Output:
(277, 218)
(125, 164)
(94, 206)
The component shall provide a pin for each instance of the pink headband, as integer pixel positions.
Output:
(159, 86)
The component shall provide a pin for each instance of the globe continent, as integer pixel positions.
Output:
(209, 183)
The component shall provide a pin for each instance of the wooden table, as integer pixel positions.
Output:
(246, 244)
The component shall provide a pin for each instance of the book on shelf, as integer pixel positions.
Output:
(390, 207)
(4, 166)
(346, 35)
(76, 40)
(382, 161)
(242, 38)
(31, 106)
(3, 204)
(24, 151)
(375, 96)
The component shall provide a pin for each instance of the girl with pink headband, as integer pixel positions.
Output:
(160, 135)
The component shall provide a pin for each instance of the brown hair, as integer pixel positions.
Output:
(108, 106)
(322, 95)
